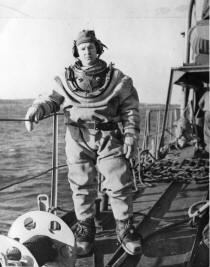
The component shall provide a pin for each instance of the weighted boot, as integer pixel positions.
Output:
(128, 237)
(84, 232)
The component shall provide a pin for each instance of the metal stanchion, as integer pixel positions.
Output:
(54, 181)
(157, 135)
(146, 131)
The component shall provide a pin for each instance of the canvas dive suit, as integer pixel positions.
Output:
(95, 100)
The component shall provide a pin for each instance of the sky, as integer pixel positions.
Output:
(143, 38)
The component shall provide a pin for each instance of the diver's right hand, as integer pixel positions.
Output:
(34, 114)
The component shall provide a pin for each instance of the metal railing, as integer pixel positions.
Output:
(55, 166)
(149, 139)
(154, 138)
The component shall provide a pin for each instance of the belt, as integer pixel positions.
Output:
(104, 126)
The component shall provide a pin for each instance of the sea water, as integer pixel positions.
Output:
(24, 155)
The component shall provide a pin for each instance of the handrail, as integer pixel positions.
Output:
(54, 169)
(19, 119)
(13, 119)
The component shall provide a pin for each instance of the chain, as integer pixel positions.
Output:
(168, 170)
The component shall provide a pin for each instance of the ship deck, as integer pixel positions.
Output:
(161, 217)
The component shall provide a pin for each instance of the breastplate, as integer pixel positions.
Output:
(87, 84)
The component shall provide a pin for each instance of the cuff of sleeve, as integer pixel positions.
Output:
(46, 108)
(40, 107)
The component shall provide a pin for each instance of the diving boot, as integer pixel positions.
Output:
(128, 237)
(84, 232)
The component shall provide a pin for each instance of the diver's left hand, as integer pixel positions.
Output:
(130, 146)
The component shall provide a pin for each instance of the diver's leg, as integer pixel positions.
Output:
(83, 182)
(118, 185)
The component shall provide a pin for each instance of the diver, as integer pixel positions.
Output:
(96, 98)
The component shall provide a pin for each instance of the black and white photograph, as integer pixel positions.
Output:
(104, 133)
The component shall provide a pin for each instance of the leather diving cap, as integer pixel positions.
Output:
(86, 36)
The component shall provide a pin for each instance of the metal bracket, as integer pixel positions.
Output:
(43, 202)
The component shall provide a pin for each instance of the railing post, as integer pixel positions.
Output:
(157, 134)
(146, 130)
(161, 143)
(54, 181)
(170, 125)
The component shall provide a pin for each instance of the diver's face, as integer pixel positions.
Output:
(87, 53)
